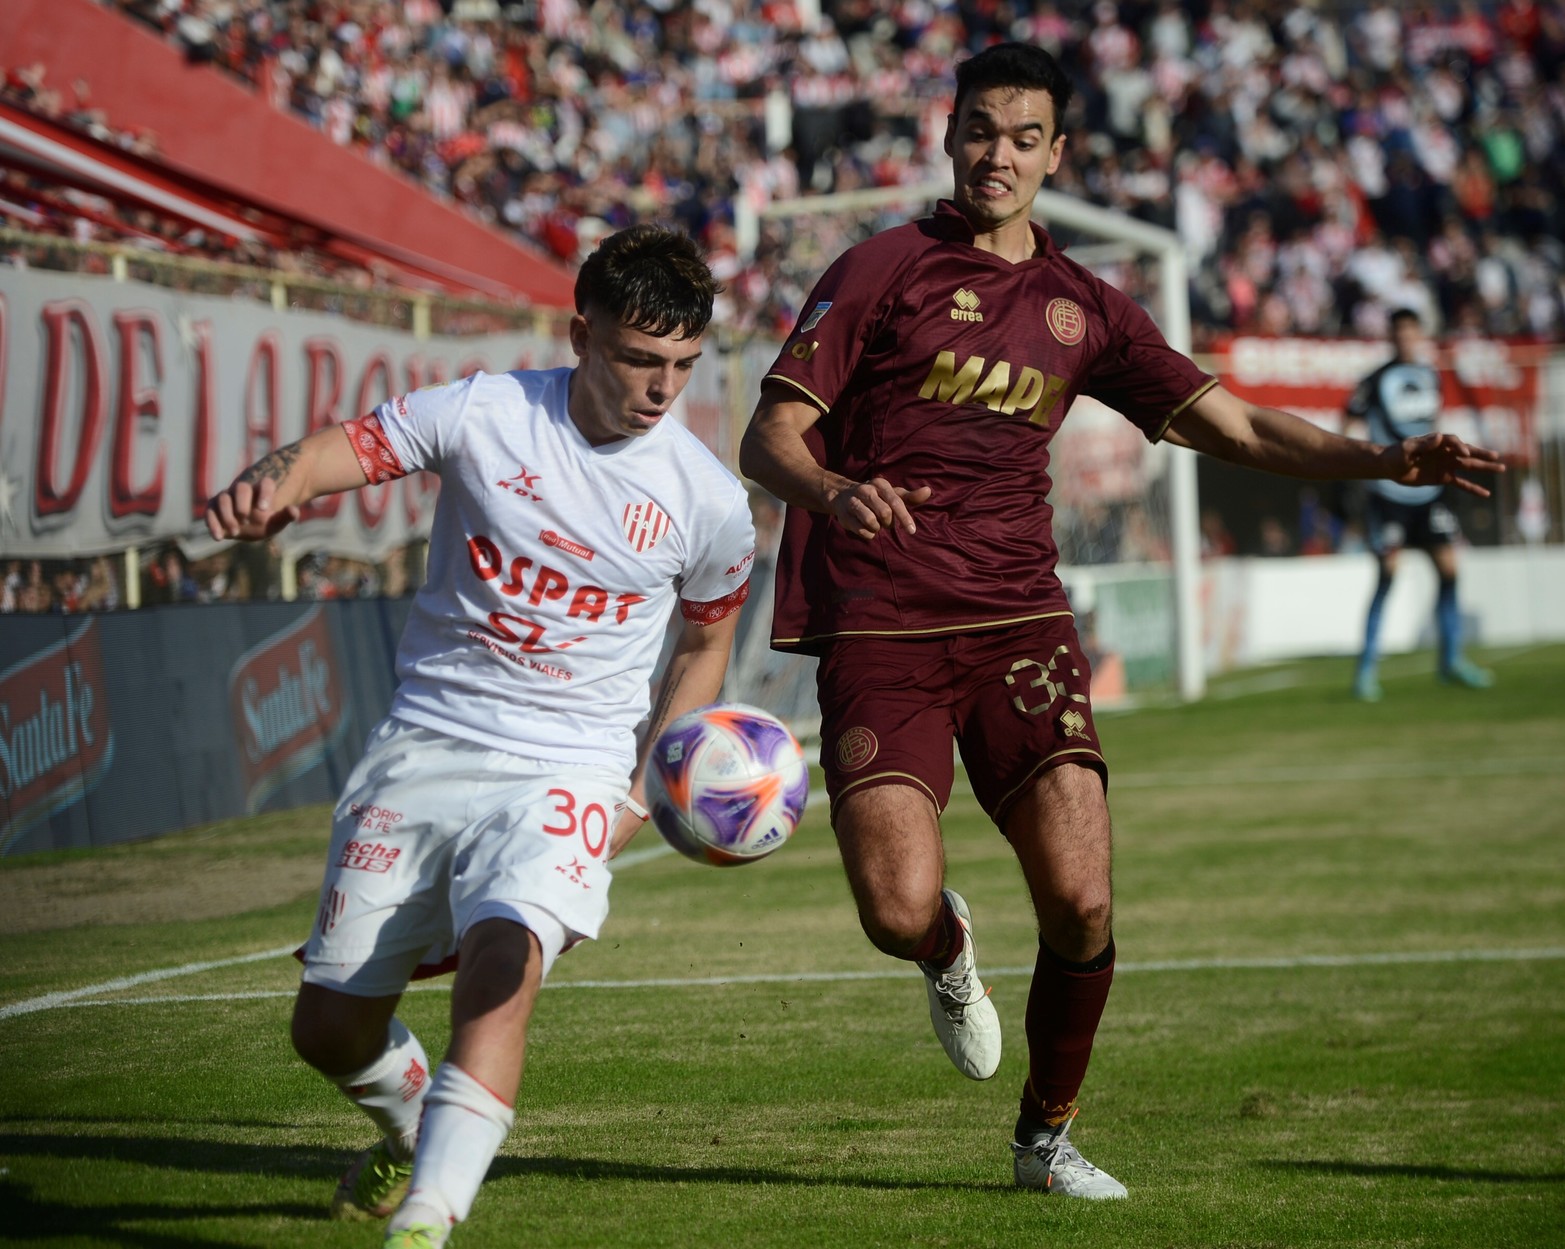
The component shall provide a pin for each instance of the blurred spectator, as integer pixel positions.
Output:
(11, 588)
(34, 594)
(1317, 525)
(102, 592)
(1216, 541)
(1275, 538)
(1325, 125)
(167, 579)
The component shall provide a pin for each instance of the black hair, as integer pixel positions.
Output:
(650, 279)
(1020, 65)
(1399, 315)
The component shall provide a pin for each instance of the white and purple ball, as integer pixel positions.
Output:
(726, 784)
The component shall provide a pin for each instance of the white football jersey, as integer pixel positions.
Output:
(554, 565)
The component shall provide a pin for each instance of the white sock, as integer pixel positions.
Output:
(464, 1127)
(391, 1089)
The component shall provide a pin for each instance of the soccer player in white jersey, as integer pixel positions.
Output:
(573, 515)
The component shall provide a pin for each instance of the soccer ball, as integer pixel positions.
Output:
(726, 784)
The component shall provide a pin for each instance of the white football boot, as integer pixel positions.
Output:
(1053, 1164)
(965, 1019)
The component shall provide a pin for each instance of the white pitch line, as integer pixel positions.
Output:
(1349, 772)
(901, 973)
(65, 997)
(1125, 780)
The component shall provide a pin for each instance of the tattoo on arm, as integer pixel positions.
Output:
(659, 719)
(274, 464)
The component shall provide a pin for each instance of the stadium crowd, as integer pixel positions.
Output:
(1323, 162)
(240, 574)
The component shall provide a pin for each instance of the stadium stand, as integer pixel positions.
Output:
(1322, 161)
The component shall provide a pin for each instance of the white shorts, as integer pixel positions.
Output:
(433, 833)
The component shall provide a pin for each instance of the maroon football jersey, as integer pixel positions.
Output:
(938, 364)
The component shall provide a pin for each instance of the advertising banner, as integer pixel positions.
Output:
(56, 732)
(122, 726)
(124, 407)
(1491, 386)
(286, 706)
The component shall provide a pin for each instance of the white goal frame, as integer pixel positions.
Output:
(1172, 316)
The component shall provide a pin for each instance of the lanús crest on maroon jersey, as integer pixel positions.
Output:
(644, 525)
(1066, 321)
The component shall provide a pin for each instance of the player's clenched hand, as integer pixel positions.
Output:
(1439, 460)
(247, 511)
(870, 506)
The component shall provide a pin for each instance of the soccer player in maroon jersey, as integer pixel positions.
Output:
(906, 424)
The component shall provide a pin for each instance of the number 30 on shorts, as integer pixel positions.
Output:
(592, 823)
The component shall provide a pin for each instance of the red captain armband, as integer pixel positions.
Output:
(711, 613)
(376, 458)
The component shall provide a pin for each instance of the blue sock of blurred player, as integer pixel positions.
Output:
(1365, 686)
(1449, 623)
(1456, 669)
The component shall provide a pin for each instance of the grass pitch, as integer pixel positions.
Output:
(1339, 1017)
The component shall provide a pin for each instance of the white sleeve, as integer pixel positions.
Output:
(716, 581)
(420, 427)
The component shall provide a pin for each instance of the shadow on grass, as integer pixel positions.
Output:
(598, 1169)
(326, 1164)
(27, 1217)
(1412, 1171)
(181, 1153)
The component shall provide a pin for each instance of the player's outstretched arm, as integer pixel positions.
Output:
(1221, 424)
(773, 453)
(267, 496)
(693, 678)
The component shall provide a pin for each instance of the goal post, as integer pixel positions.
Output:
(812, 231)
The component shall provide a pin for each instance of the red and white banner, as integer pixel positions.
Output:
(287, 706)
(56, 742)
(124, 407)
(1491, 386)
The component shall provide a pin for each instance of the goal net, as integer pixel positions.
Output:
(1124, 510)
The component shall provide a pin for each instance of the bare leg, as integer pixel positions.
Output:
(469, 1108)
(891, 849)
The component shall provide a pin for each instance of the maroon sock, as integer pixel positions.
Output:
(1063, 1009)
(942, 944)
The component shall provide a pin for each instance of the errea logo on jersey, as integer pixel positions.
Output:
(524, 484)
(966, 306)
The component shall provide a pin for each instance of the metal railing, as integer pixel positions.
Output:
(366, 300)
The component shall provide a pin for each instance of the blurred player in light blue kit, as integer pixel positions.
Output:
(1401, 399)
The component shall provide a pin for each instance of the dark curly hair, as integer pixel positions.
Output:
(651, 279)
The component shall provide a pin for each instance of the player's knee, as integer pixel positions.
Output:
(497, 960)
(896, 922)
(1080, 918)
(332, 1045)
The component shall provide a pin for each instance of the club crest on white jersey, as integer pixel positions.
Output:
(644, 523)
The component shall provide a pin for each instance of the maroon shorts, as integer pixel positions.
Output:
(1015, 700)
